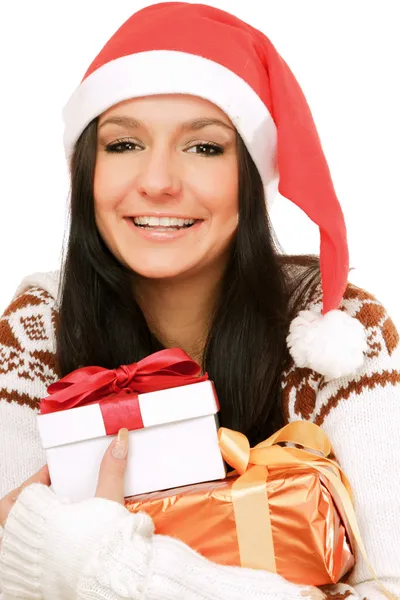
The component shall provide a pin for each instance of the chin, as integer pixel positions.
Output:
(158, 271)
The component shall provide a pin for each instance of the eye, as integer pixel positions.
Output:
(206, 149)
(121, 146)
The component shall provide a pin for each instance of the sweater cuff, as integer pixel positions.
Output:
(176, 572)
(47, 541)
(22, 543)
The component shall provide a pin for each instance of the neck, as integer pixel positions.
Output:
(179, 312)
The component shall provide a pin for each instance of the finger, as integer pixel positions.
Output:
(112, 469)
(41, 476)
(313, 593)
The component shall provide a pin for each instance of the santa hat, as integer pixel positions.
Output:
(176, 47)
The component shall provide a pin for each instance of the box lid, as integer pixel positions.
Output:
(164, 406)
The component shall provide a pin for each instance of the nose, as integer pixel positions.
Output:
(158, 174)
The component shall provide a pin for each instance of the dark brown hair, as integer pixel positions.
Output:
(100, 323)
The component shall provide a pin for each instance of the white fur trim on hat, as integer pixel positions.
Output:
(173, 72)
(332, 345)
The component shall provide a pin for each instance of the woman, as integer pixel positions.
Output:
(177, 137)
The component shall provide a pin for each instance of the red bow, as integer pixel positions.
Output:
(116, 390)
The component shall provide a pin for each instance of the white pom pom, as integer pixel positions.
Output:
(333, 344)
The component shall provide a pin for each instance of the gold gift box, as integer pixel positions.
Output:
(282, 509)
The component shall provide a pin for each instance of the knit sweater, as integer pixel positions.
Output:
(97, 550)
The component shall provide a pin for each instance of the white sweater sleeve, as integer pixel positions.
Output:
(98, 550)
(361, 416)
(27, 367)
(362, 421)
(364, 432)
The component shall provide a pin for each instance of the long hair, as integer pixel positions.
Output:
(100, 323)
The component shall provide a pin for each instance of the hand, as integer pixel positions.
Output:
(110, 484)
(6, 503)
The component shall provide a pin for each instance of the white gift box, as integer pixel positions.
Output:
(177, 446)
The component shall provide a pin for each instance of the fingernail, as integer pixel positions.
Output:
(120, 448)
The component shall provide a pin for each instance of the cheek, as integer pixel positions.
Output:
(109, 186)
(218, 190)
(226, 201)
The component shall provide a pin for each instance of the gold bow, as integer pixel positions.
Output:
(255, 464)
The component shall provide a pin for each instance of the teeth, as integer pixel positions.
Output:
(162, 221)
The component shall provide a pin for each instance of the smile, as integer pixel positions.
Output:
(163, 222)
(163, 229)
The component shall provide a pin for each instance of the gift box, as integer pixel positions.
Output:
(283, 509)
(169, 409)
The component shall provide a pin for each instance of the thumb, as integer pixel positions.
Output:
(112, 469)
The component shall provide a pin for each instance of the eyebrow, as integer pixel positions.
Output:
(191, 125)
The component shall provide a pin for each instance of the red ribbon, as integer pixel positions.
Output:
(116, 390)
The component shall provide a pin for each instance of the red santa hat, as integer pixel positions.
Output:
(177, 47)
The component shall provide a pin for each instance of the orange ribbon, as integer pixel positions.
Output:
(254, 532)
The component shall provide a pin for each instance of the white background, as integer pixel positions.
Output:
(345, 55)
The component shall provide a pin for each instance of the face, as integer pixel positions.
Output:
(166, 185)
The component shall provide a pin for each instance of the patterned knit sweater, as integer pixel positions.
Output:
(360, 414)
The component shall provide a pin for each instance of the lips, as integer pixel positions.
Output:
(162, 221)
(160, 227)
(160, 233)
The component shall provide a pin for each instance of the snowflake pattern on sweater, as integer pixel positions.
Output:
(359, 413)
